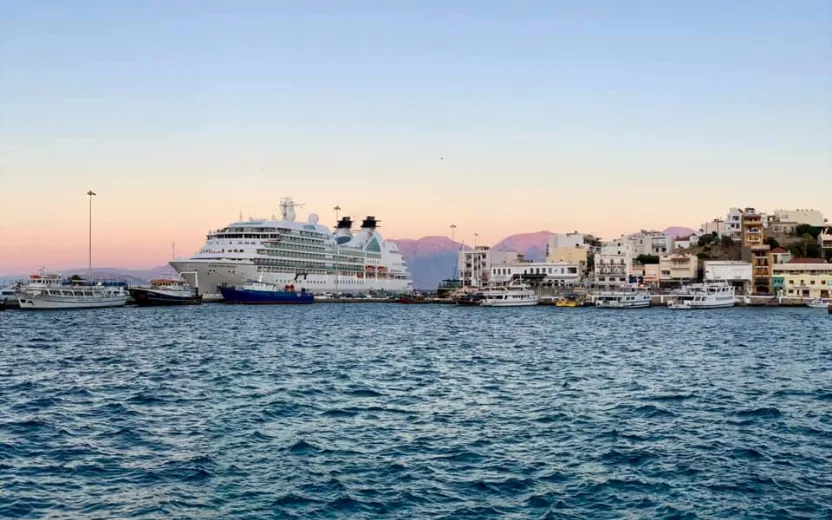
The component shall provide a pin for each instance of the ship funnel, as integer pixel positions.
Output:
(344, 223)
(287, 209)
(369, 223)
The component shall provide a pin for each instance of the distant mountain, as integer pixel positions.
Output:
(679, 232)
(132, 276)
(531, 245)
(430, 259)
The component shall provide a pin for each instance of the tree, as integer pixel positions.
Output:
(647, 259)
(727, 241)
(806, 248)
(75, 278)
(708, 239)
(805, 229)
(772, 242)
(703, 256)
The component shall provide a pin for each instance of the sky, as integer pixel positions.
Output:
(500, 117)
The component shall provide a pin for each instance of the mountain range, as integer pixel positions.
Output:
(430, 259)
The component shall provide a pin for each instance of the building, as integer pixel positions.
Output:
(678, 268)
(780, 256)
(751, 228)
(565, 241)
(733, 223)
(653, 243)
(803, 278)
(614, 264)
(717, 226)
(687, 242)
(811, 217)
(736, 273)
(541, 274)
(568, 255)
(825, 239)
(567, 248)
(783, 228)
(474, 265)
(761, 269)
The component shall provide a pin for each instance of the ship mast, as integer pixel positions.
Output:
(89, 237)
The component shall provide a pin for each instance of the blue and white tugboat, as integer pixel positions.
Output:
(264, 293)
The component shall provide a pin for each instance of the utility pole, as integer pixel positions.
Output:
(337, 212)
(453, 229)
(89, 258)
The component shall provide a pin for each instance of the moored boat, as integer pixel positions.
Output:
(264, 293)
(412, 298)
(623, 300)
(49, 291)
(512, 295)
(818, 303)
(709, 295)
(165, 292)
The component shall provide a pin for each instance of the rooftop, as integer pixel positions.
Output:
(807, 261)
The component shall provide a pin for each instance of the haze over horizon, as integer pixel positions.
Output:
(605, 119)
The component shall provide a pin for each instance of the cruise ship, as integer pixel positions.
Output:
(306, 255)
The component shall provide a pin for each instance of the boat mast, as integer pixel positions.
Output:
(89, 237)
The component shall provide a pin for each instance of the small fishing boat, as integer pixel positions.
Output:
(567, 302)
(623, 300)
(412, 298)
(263, 293)
(818, 303)
(166, 292)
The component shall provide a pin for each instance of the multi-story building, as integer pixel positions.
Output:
(474, 265)
(803, 278)
(653, 243)
(736, 273)
(733, 223)
(613, 264)
(811, 217)
(752, 228)
(761, 269)
(717, 226)
(567, 248)
(541, 274)
(678, 268)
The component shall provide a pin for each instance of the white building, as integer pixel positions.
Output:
(542, 273)
(614, 264)
(651, 243)
(811, 217)
(474, 265)
(729, 270)
(686, 243)
(564, 241)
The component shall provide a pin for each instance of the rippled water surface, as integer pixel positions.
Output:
(395, 411)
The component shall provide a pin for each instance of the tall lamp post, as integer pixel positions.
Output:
(89, 258)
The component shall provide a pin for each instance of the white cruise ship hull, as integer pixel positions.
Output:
(208, 275)
(46, 302)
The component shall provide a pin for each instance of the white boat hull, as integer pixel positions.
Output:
(625, 305)
(44, 302)
(519, 303)
(696, 305)
(208, 275)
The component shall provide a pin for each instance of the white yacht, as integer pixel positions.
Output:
(49, 291)
(304, 254)
(512, 295)
(708, 295)
(623, 300)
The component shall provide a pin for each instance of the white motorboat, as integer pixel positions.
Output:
(623, 300)
(49, 291)
(818, 303)
(512, 295)
(709, 295)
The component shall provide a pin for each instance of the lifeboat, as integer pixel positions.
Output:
(369, 268)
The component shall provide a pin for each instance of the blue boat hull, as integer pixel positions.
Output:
(251, 297)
